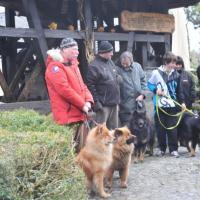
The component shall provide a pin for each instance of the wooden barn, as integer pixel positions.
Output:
(141, 26)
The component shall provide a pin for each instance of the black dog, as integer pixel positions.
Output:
(189, 132)
(142, 128)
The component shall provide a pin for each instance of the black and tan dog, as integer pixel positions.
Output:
(189, 132)
(142, 128)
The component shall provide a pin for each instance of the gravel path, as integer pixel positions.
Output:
(161, 178)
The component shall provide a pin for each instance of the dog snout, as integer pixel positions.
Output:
(131, 139)
(140, 123)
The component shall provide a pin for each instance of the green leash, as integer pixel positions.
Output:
(179, 114)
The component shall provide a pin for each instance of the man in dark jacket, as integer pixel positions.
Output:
(102, 81)
(187, 92)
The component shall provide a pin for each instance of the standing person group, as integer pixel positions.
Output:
(170, 82)
(113, 91)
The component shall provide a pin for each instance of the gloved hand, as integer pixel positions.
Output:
(86, 109)
(98, 106)
(88, 104)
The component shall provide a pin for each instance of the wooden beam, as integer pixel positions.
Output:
(30, 83)
(21, 68)
(18, 32)
(7, 93)
(181, 3)
(32, 12)
(149, 38)
(27, 33)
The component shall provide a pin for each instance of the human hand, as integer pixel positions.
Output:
(140, 98)
(183, 106)
(119, 79)
(86, 109)
(159, 92)
(88, 104)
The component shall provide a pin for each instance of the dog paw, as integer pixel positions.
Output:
(108, 185)
(123, 185)
(105, 195)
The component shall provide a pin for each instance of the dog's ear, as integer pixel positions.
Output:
(100, 127)
(118, 133)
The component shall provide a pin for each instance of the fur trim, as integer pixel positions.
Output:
(55, 54)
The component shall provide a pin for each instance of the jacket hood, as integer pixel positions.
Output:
(54, 55)
(163, 69)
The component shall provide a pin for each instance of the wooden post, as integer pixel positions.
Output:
(144, 55)
(167, 42)
(11, 51)
(7, 93)
(131, 37)
(32, 13)
(21, 68)
(88, 50)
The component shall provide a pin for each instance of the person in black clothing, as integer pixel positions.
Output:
(187, 92)
(103, 83)
(198, 73)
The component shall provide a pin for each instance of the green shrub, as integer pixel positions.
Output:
(37, 159)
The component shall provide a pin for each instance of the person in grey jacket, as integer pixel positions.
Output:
(103, 83)
(132, 87)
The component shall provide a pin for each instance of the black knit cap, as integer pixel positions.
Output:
(68, 42)
(105, 47)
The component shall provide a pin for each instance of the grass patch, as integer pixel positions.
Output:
(37, 159)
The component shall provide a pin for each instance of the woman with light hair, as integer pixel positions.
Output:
(132, 87)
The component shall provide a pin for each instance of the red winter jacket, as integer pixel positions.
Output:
(67, 91)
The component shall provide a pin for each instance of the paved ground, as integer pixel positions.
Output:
(161, 178)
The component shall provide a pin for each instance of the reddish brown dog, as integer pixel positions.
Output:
(96, 157)
(122, 151)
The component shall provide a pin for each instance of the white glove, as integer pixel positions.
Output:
(85, 109)
(88, 104)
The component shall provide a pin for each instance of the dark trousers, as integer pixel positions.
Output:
(165, 136)
(108, 114)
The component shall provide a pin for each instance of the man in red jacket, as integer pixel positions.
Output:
(69, 97)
